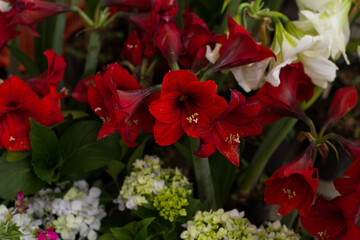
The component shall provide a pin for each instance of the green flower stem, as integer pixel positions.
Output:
(58, 41)
(275, 16)
(273, 139)
(204, 179)
(93, 53)
(82, 15)
(174, 66)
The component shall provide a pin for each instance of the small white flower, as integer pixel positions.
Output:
(5, 6)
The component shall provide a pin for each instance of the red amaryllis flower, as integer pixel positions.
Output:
(185, 105)
(47, 83)
(122, 103)
(350, 183)
(81, 89)
(343, 101)
(282, 101)
(238, 120)
(29, 12)
(7, 31)
(168, 39)
(162, 8)
(18, 103)
(293, 185)
(196, 35)
(237, 52)
(351, 147)
(334, 220)
(143, 5)
(132, 50)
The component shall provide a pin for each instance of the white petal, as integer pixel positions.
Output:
(5, 6)
(213, 55)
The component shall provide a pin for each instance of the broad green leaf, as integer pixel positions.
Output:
(28, 63)
(107, 236)
(16, 176)
(13, 156)
(75, 114)
(83, 153)
(46, 154)
(142, 228)
(194, 206)
(121, 233)
(113, 169)
(138, 153)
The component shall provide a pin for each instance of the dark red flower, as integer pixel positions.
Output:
(343, 101)
(240, 49)
(29, 12)
(7, 31)
(143, 5)
(185, 105)
(121, 101)
(168, 39)
(18, 103)
(334, 220)
(293, 185)
(48, 82)
(133, 50)
(195, 37)
(238, 120)
(282, 101)
(350, 183)
(81, 89)
(351, 147)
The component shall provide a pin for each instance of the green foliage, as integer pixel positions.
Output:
(137, 154)
(83, 153)
(13, 156)
(46, 156)
(16, 176)
(9, 231)
(113, 169)
(28, 63)
(133, 231)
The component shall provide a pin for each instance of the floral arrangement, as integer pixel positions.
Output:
(248, 104)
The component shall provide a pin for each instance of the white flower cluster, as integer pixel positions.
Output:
(76, 215)
(24, 221)
(232, 225)
(145, 181)
(276, 231)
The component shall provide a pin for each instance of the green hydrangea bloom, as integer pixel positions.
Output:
(171, 202)
(276, 231)
(228, 225)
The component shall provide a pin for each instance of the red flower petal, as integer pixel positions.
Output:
(167, 133)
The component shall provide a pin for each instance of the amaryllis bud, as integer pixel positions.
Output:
(343, 101)
(133, 50)
(351, 147)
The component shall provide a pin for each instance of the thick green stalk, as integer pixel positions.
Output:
(14, 62)
(58, 40)
(204, 179)
(93, 53)
(273, 139)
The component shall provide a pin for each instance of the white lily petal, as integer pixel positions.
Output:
(5, 6)
(213, 55)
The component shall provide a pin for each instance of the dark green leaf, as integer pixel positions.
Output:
(16, 176)
(121, 233)
(138, 153)
(46, 155)
(13, 156)
(29, 64)
(142, 228)
(107, 236)
(194, 206)
(83, 153)
(184, 151)
(114, 168)
(75, 114)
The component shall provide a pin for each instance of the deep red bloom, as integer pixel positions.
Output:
(334, 220)
(47, 234)
(7, 31)
(122, 103)
(162, 8)
(29, 12)
(133, 50)
(185, 105)
(350, 183)
(81, 90)
(238, 120)
(282, 101)
(48, 82)
(293, 185)
(240, 49)
(343, 101)
(18, 103)
(196, 36)
(168, 39)
(351, 147)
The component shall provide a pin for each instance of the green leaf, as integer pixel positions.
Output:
(16, 176)
(107, 236)
(13, 156)
(137, 154)
(83, 153)
(184, 151)
(75, 114)
(121, 233)
(194, 206)
(29, 64)
(113, 169)
(142, 228)
(46, 154)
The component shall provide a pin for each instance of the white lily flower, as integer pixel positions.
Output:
(311, 51)
(318, 5)
(332, 21)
